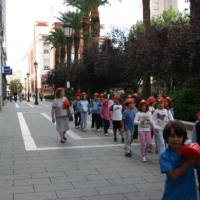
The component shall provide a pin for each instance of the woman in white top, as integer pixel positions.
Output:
(60, 114)
(144, 120)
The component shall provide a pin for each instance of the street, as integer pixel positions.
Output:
(89, 166)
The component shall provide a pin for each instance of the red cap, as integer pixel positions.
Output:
(101, 95)
(129, 100)
(77, 94)
(198, 114)
(96, 94)
(160, 100)
(169, 100)
(151, 100)
(117, 96)
(83, 94)
(105, 102)
(135, 95)
(144, 102)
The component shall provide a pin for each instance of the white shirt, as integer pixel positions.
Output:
(161, 117)
(146, 126)
(117, 112)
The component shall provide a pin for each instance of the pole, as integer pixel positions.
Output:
(25, 91)
(36, 92)
(28, 88)
(68, 67)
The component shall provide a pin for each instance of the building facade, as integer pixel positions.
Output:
(3, 56)
(158, 6)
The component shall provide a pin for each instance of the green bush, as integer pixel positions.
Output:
(186, 104)
(51, 96)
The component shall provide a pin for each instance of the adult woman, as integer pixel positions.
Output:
(60, 114)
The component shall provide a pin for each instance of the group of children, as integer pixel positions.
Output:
(169, 135)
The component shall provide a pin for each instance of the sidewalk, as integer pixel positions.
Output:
(34, 165)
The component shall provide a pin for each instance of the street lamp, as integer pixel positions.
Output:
(28, 86)
(67, 32)
(36, 92)
(25, 89)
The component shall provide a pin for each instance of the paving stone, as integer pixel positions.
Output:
(89, 184)
(6, 197)
(48, 174)
(106, 197)
(68, 179)
(77, 193)
(17, 189)
(33, 196)
(53, 187)
(81, 172)
(119, 189)
(29, 170)
(6, 183)
(15, 177)
(32, 181)
(113, 170)
(149, 186)
(102, 176)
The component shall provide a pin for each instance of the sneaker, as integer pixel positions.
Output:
(134, 140)
(128, 154)
(84, 130)
(106, 134)
(122, 140)
(93, 129)
(144, 159)
(77, 127)
(98, 130)
(115, 139)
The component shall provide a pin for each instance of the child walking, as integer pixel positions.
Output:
(116, 117)
(144, 121)
(180, 181)
(105, 116)
(128, 125)
(196, 138)
(84, 107)
(161, 117)
(169, 105)
(77, 114)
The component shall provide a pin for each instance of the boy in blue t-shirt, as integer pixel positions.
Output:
(128, 117)
(180, 183)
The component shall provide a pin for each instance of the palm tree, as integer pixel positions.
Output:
(95, 20)
(85, 8)
(146, 23)
(75, 19)
(58, 41)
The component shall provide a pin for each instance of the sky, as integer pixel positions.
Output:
(21, 15)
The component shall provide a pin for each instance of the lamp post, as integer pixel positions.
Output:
(67, 32)
(36, 92)
(25, 89)
(28, 86)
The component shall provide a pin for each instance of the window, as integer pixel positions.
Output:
(46, 47)
(46, 67)
(46, 86)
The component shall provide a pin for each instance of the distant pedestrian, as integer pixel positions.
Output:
(110, 103)
(60, 113)
(161, 117)
(135, 96)
(116, 117)
(84, 107)
(105, 115)
(33, 96)
(95, 110)
(180, 181)
(144, 121)
(128, 125)
(41, 95)
(151, 103)
(169, 105)
(77, 113)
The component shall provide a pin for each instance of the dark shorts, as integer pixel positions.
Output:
(117, 124)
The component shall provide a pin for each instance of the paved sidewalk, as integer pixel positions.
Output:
(34, 165)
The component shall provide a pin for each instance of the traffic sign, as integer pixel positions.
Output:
(6, 69)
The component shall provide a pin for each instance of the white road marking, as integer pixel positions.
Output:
(69, 132)
(16, 105)
(30, 105)
(26, 134)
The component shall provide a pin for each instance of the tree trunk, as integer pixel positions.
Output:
(62, 55)
(95, 25)
(86, 27)
(146, 23)
(57, 57)
(76, 46)
(195, 12)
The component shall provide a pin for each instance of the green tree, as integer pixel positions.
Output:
(15, 86)
(58, 41)
(75, 19)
